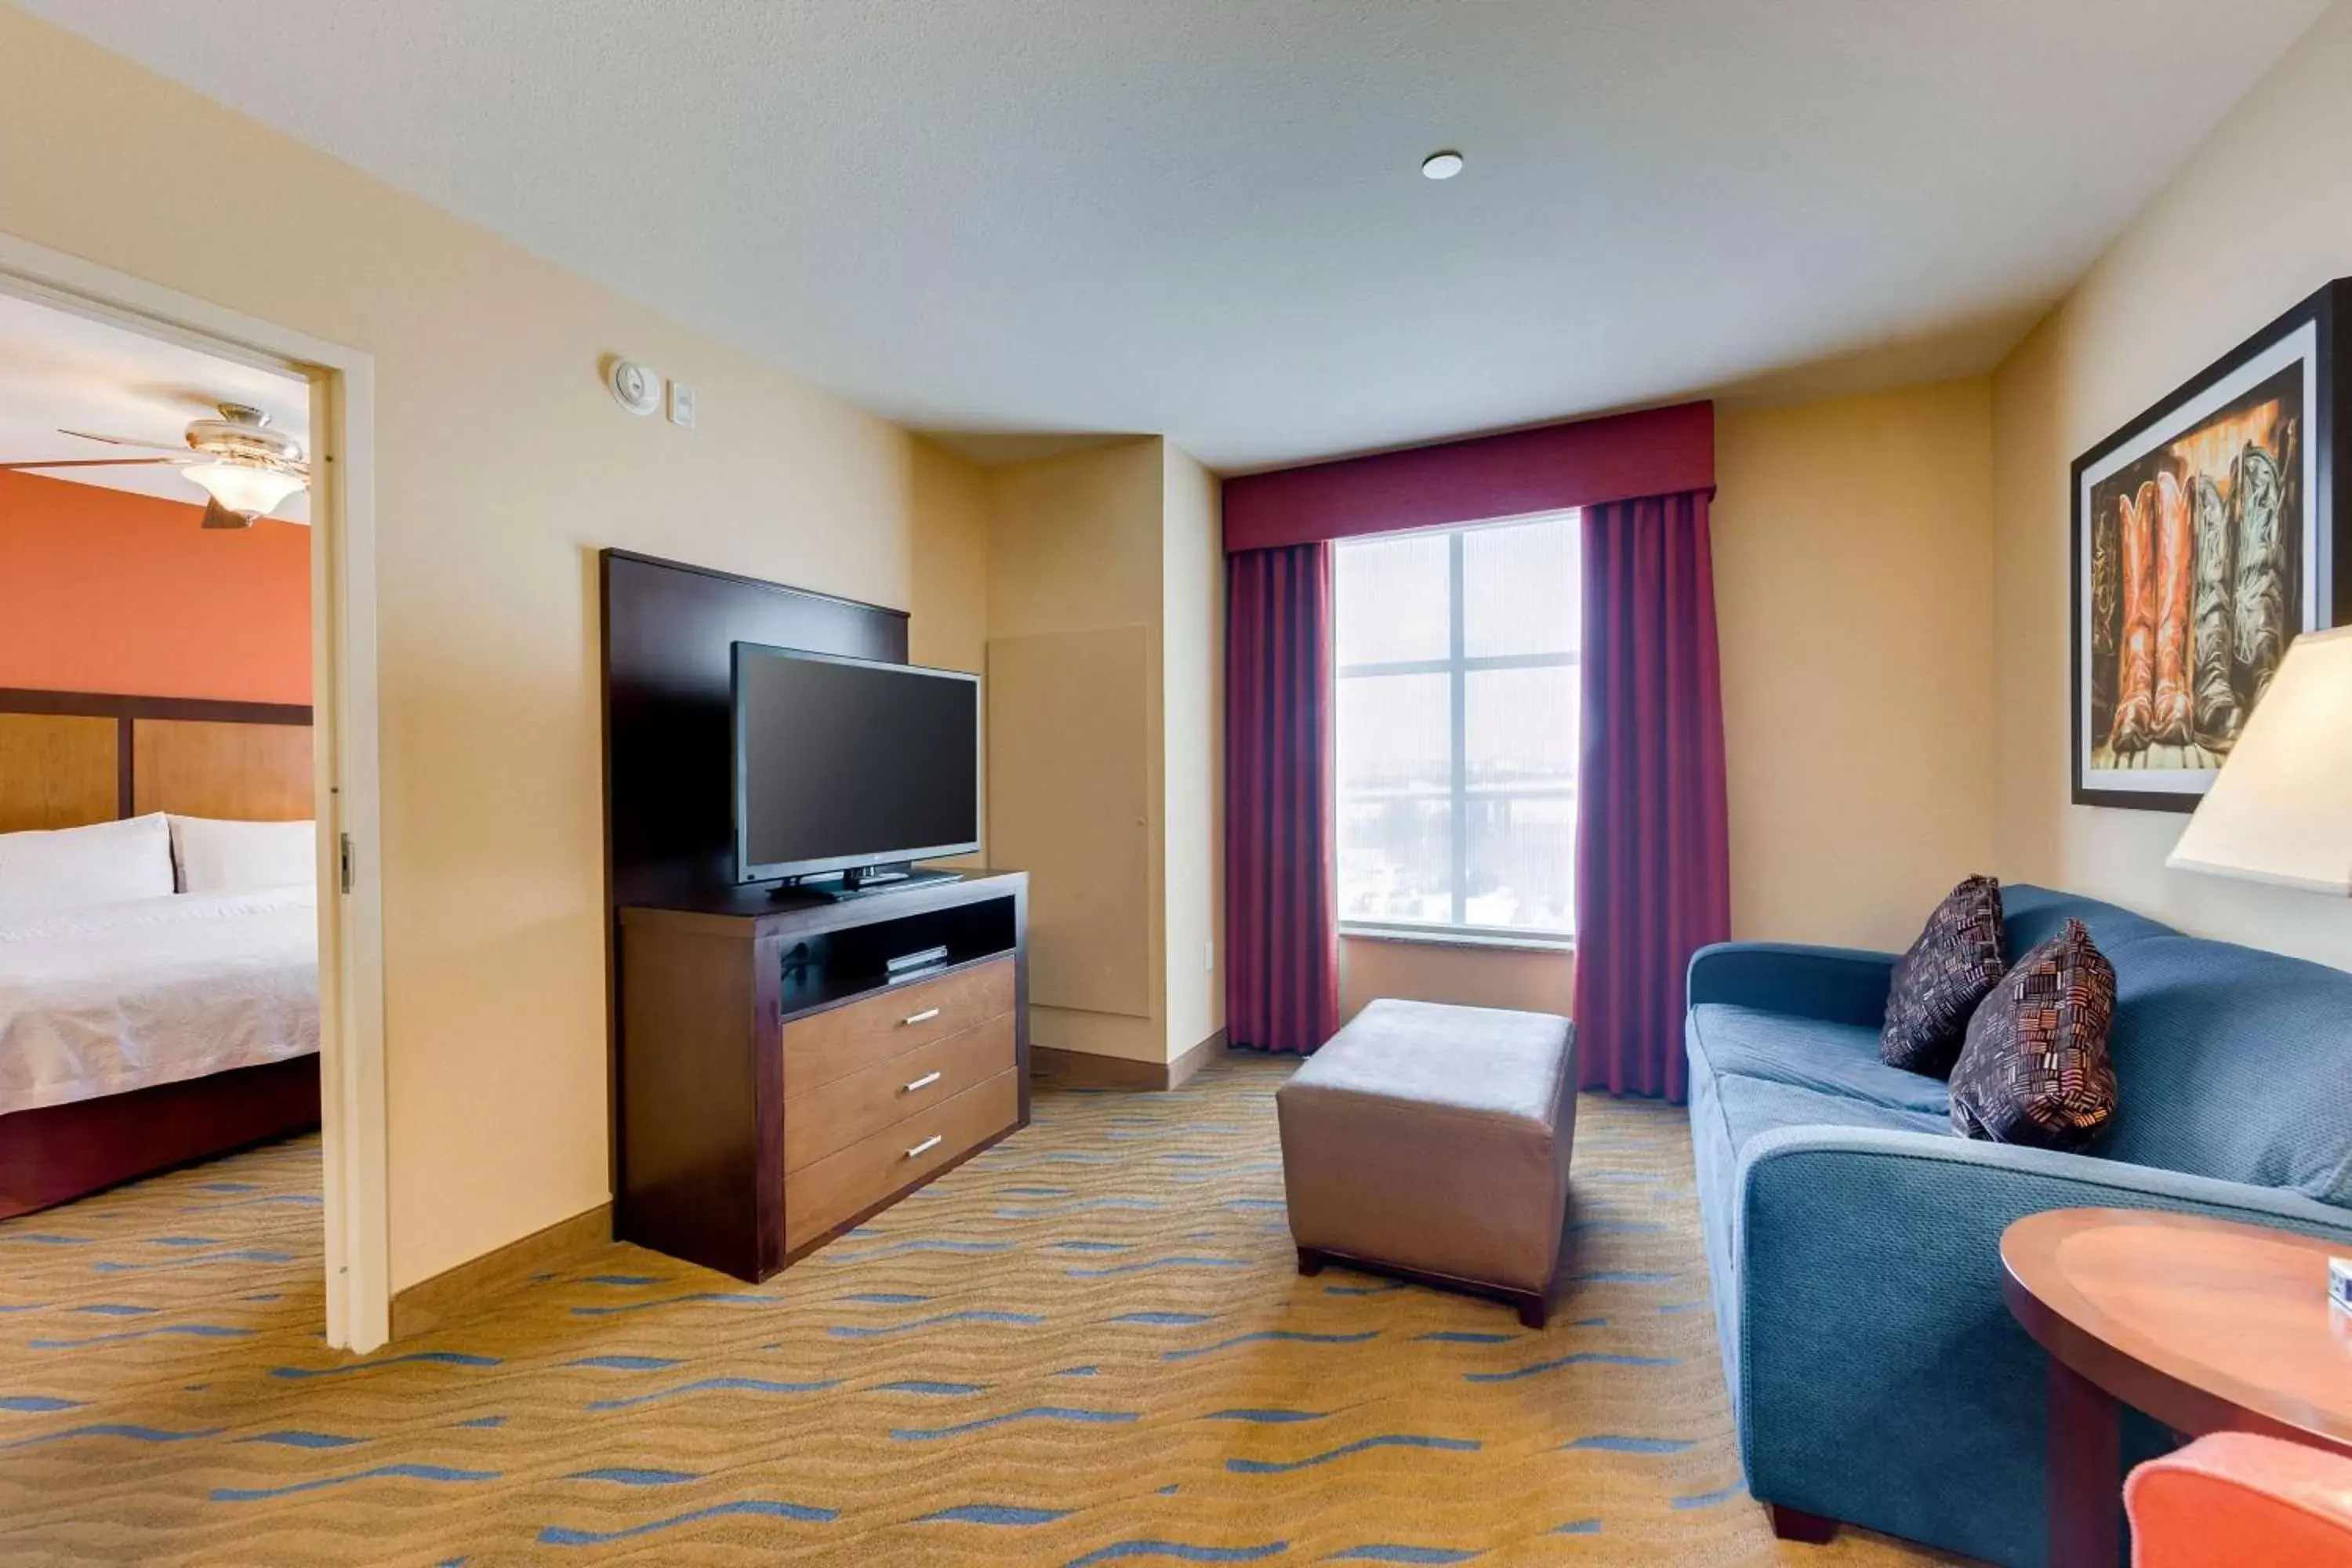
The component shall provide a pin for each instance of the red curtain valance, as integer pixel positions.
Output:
(1585, 462)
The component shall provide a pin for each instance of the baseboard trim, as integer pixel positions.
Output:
(1085, 1070)
(456, 1294)
(1193, 1060)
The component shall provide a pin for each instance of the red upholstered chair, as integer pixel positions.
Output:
(2235, 1498)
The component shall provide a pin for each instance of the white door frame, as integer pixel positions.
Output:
(343, 731)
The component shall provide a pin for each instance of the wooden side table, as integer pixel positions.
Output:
(2206, 1325)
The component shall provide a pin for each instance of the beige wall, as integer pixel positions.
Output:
(1076, 545)
(2257, 219)
(1192, 618)
(1522, 979)
(1119, 536)
(948, 599)
(1853, 595)
(503, 466)
(1853, 556)
(1073, 542)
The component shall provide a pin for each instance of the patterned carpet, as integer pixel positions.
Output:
(1087, 1346)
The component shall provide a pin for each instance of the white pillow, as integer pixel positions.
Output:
(218, 856)
(68, 867)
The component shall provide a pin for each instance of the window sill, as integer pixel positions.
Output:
(1442, 936)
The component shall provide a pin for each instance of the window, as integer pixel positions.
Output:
(1457, 729)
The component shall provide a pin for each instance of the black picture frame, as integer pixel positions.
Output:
(2286, 379)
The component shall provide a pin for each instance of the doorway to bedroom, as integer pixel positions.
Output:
(165, 769)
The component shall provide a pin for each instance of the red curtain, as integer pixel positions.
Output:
(1652, 852)
(1583, 462)
(1281, 935)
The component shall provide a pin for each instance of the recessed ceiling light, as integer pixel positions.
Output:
(1442, 165)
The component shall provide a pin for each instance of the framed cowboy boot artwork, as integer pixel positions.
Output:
(2205, 540)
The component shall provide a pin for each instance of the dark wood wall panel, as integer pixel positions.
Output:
(670, 637)
(70, 757)
(58, 769)
(200, 767)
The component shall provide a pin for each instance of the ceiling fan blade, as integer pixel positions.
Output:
(102, 463)
(116, 440)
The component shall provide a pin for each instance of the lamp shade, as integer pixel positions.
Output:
(248, 488)
(2280, 810)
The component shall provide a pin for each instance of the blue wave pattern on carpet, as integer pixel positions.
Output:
(1087, 1346)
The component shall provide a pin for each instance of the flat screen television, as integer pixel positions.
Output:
(850, 765)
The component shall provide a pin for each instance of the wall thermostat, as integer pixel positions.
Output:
(634, 387)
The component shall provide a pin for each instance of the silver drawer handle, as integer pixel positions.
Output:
(923, 1148)
(925, 1016)
(925, 1082)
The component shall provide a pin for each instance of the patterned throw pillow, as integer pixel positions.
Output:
(2035, 1067)
(1957, 960)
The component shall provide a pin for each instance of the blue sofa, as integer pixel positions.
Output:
(1853, 1240)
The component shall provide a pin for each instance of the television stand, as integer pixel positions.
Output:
(861, 884)
(786, 1070)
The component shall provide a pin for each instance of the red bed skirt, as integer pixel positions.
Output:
(64, 1151)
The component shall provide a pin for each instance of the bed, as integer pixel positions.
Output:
(139, 1033)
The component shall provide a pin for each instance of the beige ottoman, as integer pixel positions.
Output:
(1431, 1143)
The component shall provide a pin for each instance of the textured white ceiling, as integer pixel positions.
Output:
(1204, 218)
(62, 372)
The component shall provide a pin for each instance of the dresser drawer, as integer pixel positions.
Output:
(841, 1112)
(820, 1196)
(842, 1040)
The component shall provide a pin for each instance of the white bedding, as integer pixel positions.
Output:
(118, 996)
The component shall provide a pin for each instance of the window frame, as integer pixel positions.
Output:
(1458, 665)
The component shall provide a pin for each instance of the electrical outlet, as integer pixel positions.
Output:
(682, 406)
(1209, 949)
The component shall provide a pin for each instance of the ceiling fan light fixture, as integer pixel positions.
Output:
(251, 488)
(219, 516)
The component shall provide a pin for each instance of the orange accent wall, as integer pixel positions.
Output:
(100, 591)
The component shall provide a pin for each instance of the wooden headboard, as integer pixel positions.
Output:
(69, 758)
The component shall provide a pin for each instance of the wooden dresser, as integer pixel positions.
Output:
(775, 1086)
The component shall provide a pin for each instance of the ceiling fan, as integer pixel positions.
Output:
(246, 468)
